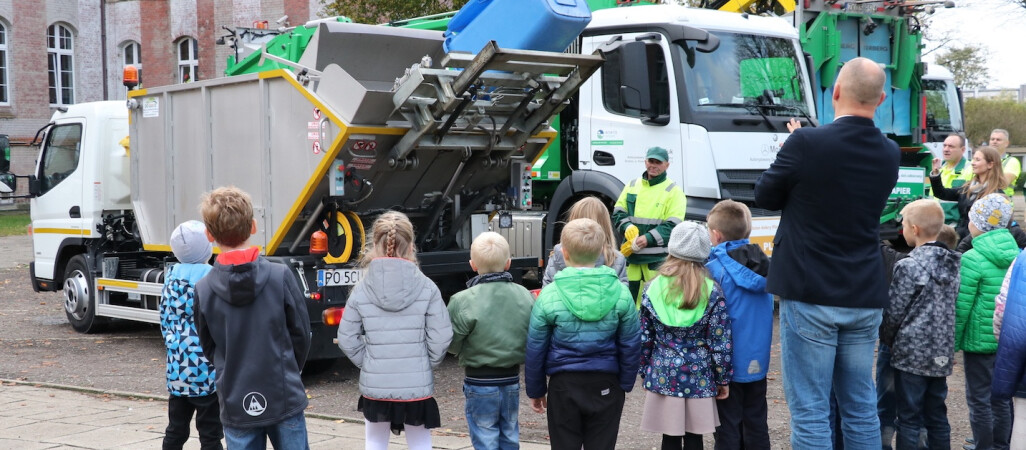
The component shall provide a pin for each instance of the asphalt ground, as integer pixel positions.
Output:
(128, 359)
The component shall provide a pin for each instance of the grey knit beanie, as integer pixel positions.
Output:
(190, 244)
(991, 212)
(690, 241)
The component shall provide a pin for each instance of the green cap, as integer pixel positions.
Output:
(658, 153)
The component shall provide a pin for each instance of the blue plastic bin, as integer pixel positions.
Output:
(544, 25)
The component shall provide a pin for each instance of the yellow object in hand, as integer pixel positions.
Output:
(629, 235)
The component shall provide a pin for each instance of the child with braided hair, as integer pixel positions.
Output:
(396, 329)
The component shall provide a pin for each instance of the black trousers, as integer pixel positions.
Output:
(584, 410)
(743, 417)
(208, 422)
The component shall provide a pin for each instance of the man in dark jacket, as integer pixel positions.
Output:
(251, 316)
(826, 264)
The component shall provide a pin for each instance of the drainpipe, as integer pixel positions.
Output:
(103, 45)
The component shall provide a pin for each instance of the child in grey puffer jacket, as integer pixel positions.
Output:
(590, 208)
(396, 329)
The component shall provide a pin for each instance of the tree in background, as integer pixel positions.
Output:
(969, 64)
(380, 11)
(984, 114)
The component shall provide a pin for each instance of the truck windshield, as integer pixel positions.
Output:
(943, 112)
(746, 71)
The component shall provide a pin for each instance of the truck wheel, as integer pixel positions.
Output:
(79, 302)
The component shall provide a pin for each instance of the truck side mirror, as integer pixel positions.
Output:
(5, 154)
(9, 181)
(35, 186)
(635, 91)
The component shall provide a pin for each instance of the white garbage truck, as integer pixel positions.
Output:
(371, 119)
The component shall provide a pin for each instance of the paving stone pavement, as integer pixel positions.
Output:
(34, 416)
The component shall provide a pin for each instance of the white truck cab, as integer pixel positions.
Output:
(79, 192)
(715, 89)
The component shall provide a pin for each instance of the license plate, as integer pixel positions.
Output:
(337, 277)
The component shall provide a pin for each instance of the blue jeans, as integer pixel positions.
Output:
(824, 348)
(885, 402)
(989, 417)
(920, 402)
(492, 416)
(289, 434)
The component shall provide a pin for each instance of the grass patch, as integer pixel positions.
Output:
(14, 223)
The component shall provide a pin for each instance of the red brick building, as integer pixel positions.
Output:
(59, 52)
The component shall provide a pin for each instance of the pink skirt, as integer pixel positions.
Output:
(675, 416)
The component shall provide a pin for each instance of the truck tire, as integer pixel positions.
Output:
(79, 301)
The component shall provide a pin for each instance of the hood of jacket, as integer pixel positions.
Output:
(998, 246)
(394, 283)
(240, 281)
(940, 263)
(739, 257)
(666, 307)
(585, 291)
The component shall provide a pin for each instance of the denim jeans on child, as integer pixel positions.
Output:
(989, 417)
(492, 413)
(824, 348)
(289, 434)
(885, 395)
(920, 402)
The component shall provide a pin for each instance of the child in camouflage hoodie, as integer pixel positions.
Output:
(919, 327)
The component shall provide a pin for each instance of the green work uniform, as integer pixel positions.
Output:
(655, 206)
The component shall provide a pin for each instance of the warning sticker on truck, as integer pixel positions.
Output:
(151, 107)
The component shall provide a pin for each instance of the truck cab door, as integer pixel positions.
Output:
(57, 208)
(621, 118)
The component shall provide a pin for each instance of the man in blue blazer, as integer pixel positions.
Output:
(831, 184)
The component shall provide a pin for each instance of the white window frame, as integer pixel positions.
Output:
(5, 72)
(133, 49)
(54, 58)
(188, 63)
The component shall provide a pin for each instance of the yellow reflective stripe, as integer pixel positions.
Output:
(670, 187)
(117, 283)
(72, 231)
(167, 248)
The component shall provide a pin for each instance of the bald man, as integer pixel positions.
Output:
(831, 183)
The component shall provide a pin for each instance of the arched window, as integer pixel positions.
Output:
(5, 83)
(188, 60)
(131, 56)
(60, 51)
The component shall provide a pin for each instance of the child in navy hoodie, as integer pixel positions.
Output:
(740, 268)
(252, 319)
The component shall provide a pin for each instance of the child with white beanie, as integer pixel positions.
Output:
(190, 375)
(685, 343)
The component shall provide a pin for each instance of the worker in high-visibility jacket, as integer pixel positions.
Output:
(645, 214)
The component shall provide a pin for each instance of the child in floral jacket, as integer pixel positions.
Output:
(685, 342)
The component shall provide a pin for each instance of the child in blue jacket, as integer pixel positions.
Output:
(740, 268)
(190, 375)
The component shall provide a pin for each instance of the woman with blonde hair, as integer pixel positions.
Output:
(396, 330)
(987, 178)
(590, 208)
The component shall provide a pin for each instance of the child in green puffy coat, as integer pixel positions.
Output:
(983, 269)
